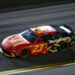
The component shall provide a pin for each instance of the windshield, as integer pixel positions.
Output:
(29, 35)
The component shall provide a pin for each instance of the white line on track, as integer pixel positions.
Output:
(18, 71)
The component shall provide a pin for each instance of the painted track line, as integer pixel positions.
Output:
(16, 71)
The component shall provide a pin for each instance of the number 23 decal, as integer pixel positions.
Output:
(38, 48)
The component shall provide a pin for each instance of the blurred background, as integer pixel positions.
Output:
(9, 4)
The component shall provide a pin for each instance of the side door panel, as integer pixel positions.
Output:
(39, 47)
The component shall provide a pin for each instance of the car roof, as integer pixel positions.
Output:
(44, 29)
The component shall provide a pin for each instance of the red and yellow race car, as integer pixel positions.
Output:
(38, 40)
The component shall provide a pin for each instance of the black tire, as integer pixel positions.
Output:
(64, 46)
(25, 53)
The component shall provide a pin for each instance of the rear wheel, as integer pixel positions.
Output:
(64, 46)
(24, 53)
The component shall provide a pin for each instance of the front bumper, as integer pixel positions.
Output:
(7, 53)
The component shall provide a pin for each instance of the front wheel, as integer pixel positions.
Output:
(24, 53)
(64, 46)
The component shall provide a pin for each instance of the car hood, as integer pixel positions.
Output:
(17, 39)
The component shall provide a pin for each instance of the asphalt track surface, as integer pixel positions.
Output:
(67, 70)
(18, 21)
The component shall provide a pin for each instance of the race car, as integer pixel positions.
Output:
(39, 40)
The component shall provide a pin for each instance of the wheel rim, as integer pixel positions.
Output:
(24, 53)
(64, 46)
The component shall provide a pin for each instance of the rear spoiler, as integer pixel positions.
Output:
(72, 34)
(70, 28)
(67, 26)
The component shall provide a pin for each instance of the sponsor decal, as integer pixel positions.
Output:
(19, 39)
(11, 37)
(39, 47)
(59, 40)
(18, 44)
(41, 31)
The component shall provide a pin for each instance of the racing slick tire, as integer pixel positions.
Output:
(64, 46)
(25, 53)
